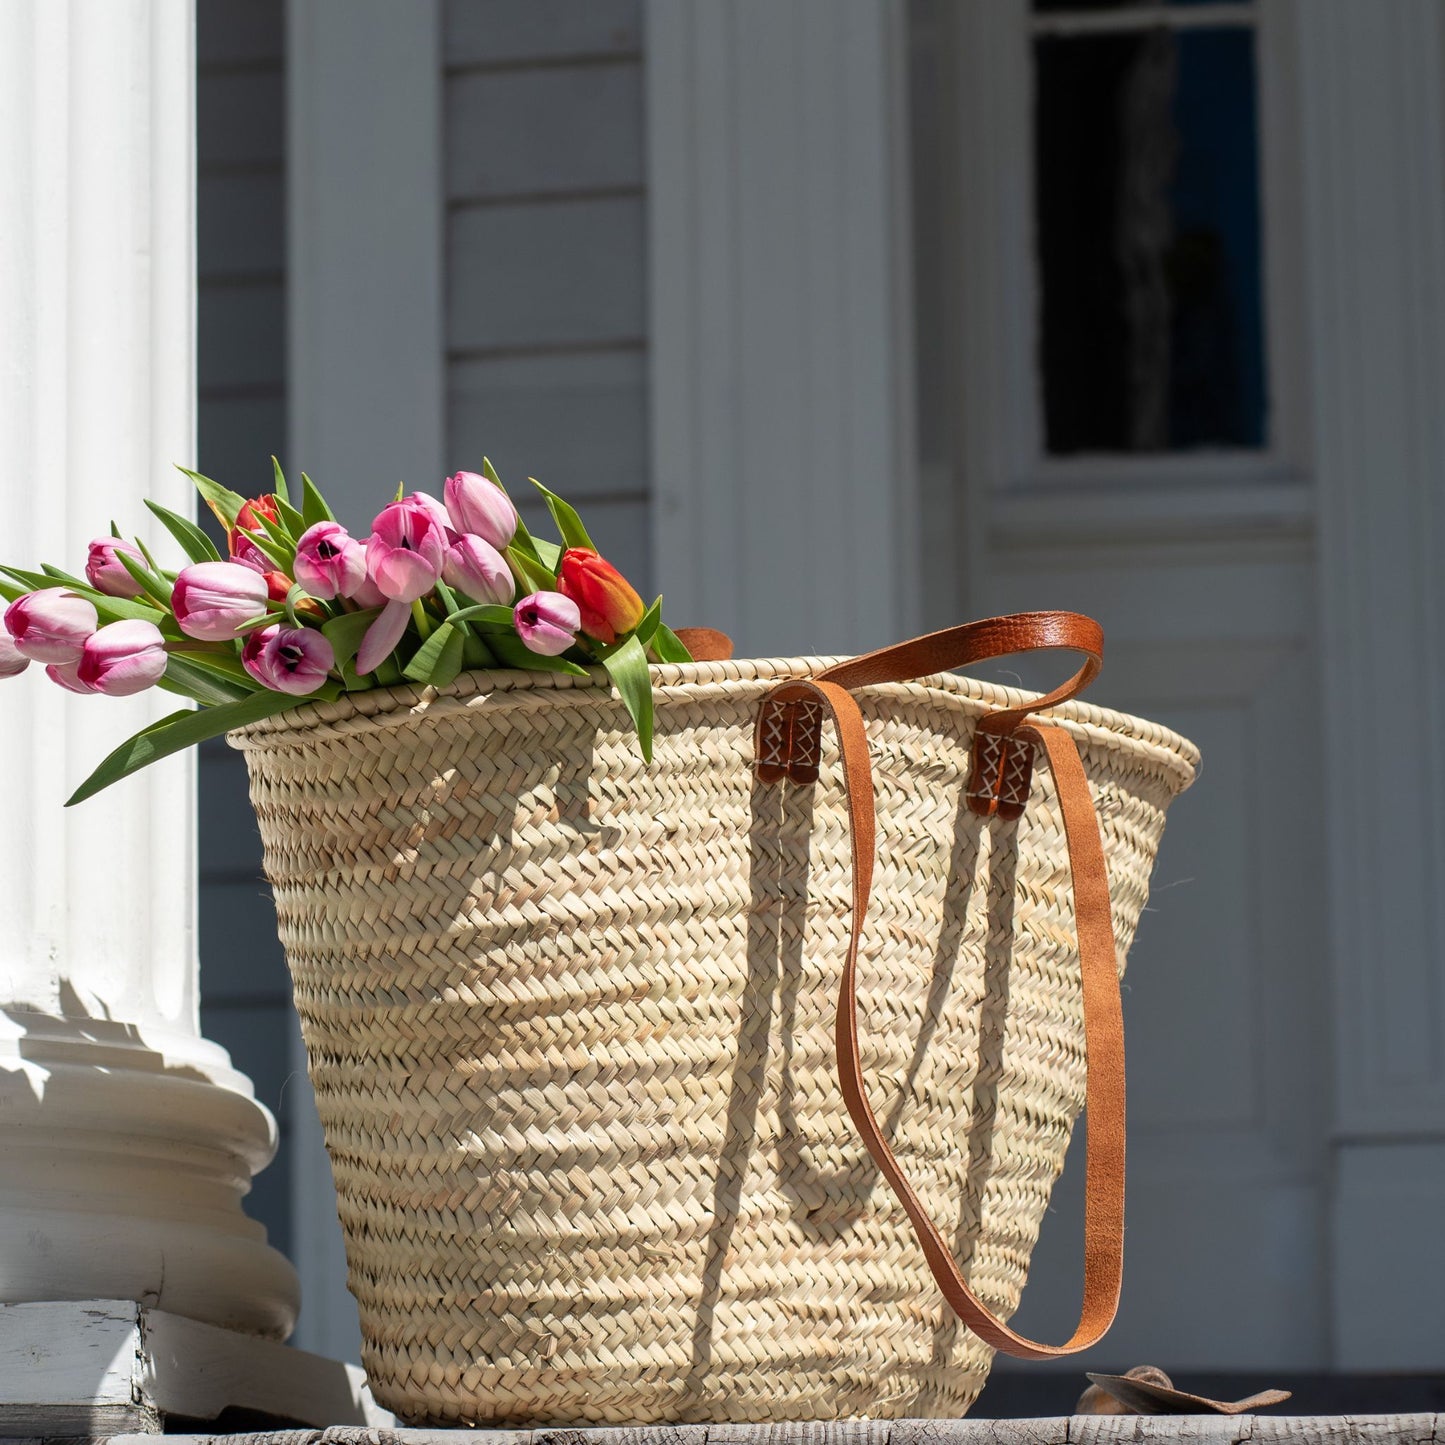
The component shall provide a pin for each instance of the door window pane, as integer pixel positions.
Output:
(1148, 234)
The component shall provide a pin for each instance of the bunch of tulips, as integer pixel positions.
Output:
(300, 609)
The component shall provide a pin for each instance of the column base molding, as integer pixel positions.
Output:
(125, 1152)
(97, 1368)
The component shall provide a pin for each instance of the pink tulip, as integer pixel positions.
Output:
(288, 659)
(382, 636)
(405, 550)
(12, 661)
(50, 625)
(67, 675)
(123, 657)
(367, 593)
(213, 600)
(476, 569)
(547, 622)
(106, 572)
(439, 512)
(482, 508)
(329, 561)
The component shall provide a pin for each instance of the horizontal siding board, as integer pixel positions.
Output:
(241, 956)
(492, 32)
(257, 1040)
(243, 336)
(552, 274)
(241, 223)
(526, 132)
(239, 435)
(577, 423)
(230, 842)
(232, 32)
(240, 119)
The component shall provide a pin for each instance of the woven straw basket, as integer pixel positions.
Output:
(570, 1025)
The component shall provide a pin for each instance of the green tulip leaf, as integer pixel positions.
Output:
(647, 628)
(569, 524)
(492, 613)
(626, 664)
(185, 729)
(667, 646)
(225, 503)
(193, 542)
(280, 489)
(439, 659)
(513, 652)
(313, 504)
(533, 574)
(204, 684)
(151, 584)
(345, 631)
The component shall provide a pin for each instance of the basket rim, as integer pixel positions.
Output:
(382, 708)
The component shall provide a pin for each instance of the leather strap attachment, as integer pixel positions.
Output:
(789, 733)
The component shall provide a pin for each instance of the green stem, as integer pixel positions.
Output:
(423, 622)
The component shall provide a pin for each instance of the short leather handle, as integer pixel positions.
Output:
(798, 707)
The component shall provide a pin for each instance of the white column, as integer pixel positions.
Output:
(1373, 107)
(126, 1139)
(780, 336)
(366, 369)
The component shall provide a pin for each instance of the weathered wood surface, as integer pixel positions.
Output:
(103, 1369)
(1068, 1430)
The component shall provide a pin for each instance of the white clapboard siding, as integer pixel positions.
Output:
(241, 245)
(545, 130)
(546, 279)
(547, 274)
(507, 408)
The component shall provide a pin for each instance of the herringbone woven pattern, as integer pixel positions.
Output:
(569, 1021)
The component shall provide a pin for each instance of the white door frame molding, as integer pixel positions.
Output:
(1373, 106)
(784, 492)
(366, 368)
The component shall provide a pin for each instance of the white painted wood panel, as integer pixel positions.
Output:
(782, 403)
(494, 32)
(568, 273)
(576, 422)
(544, 130)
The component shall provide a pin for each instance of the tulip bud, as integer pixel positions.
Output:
(329, 561)
(603, 595)
(288, 659)
(67, 675)
(482, 508)
(12, 661)
(476, 569)
(405, 550)
(50, 625)
(123, 658)
(213, 600)
(247, 519)
(547, 622)
(107, 573)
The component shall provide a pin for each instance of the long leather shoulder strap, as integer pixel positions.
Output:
(1103, 1020)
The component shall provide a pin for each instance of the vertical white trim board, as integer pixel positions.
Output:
(780, 322)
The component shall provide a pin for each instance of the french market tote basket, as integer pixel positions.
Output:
(728, 1088)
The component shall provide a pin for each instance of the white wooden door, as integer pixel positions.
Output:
(1179, 512)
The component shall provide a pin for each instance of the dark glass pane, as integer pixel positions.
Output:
(1147, 208)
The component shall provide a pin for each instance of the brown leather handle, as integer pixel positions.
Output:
(792, 715)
